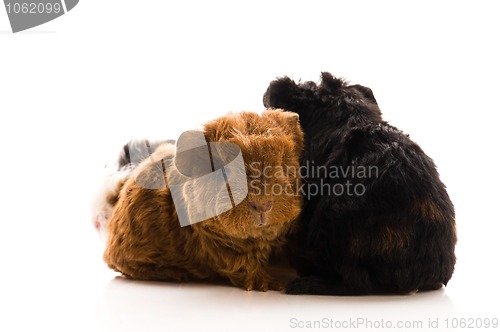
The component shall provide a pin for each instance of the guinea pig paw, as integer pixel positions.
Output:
(306, 285)
(275, 285)
(263, 284)
(96, 222)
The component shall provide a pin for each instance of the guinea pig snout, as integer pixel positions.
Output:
(260, 206)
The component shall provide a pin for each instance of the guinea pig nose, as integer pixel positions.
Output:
(261, 207)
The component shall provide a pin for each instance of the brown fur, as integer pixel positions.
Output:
(429, 210)
(145, 238)
(112, 198)
(392, 239)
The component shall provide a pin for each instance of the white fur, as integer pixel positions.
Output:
(101, 209)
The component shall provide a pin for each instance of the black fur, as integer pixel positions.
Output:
(398, 236)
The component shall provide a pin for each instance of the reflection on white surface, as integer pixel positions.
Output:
(128, 305)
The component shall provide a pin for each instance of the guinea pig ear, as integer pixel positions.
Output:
(366, 92)
(329, 83)
(281, 94)
(289, 121)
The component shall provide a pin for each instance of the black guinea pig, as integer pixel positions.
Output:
(377, 219)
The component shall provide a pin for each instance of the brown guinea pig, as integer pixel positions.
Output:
(146, 240)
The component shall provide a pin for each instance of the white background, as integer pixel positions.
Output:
(74, 90)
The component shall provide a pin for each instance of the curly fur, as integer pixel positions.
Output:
(398, 236)
(145, 238)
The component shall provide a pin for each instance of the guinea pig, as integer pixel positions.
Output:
(147, 242)
(377, 219)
